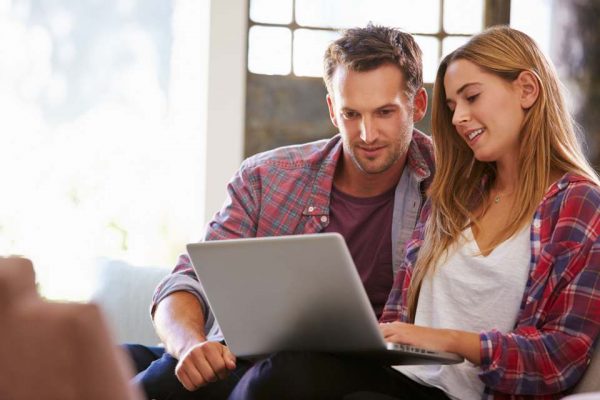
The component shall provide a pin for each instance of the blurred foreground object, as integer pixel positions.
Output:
(54, 351)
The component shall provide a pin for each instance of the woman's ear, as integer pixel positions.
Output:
(529, 87)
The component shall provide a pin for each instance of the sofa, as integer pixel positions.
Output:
(124, 291)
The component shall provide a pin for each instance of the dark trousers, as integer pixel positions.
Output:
(304, 375)
(156, 376)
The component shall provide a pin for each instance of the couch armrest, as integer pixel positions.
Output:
(124, 291)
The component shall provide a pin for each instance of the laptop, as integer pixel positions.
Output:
(295, 293)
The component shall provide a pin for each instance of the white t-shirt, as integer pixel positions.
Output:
(470, 292)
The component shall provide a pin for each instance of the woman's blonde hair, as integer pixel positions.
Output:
(547, 143)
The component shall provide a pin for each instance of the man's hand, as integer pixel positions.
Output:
(179, 322)
(203, 363)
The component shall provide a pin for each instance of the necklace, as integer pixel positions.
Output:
(498, 196)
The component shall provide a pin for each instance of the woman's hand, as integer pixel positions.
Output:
(463, 343)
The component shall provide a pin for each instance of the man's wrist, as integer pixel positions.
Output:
(181, 349)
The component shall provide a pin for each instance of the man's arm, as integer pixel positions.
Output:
(179, 322)
(180, 312)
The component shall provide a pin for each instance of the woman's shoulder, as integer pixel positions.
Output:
(576, 190)
(573, 200)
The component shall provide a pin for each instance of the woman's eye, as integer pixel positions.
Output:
(472, 98)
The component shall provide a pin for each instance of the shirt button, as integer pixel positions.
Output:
(323, 219)
(536, 224)
(311, 209)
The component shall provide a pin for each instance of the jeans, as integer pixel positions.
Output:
(304, 375)
(156, 376)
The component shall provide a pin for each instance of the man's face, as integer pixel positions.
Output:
(374, 116)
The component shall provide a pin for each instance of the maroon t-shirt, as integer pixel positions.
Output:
(366, 225)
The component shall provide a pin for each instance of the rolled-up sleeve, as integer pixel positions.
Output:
(184, 279)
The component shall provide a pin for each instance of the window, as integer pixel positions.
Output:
(289, 37)
(100, 137)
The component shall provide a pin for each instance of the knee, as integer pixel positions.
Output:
(284, 375)
(158, 380)
(142, 356)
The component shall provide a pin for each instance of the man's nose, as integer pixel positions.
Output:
(368, 131)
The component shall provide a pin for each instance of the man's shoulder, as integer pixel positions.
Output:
(305, 155)
(424, 143)
(420, 155)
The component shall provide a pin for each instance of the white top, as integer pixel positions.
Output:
(470, 292)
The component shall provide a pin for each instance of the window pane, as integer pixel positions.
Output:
(309, 47)
(463, 16)
(271, 12)
(451, 43)
(538, 28)
(413, 16)
(269, 50)
(430, 47)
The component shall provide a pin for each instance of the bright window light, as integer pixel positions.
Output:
(533, 17)
(430, 47)
(271, 12)
(414, 16)
(309, 47)
(451, 43)
(270, 50)
(100, 140)
(463, 16)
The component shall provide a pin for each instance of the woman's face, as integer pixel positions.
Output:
(486, 111)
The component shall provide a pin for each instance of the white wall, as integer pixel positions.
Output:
(223, 125)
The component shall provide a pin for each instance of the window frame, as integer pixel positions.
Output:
(494, 12)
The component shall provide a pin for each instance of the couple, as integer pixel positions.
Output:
(503, 266)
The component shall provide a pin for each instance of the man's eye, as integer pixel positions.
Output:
(349, 114)
(385, 112)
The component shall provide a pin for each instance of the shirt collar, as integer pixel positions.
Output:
(418, 155)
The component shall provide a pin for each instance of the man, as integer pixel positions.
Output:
(366, 183)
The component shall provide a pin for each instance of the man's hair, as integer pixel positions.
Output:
(365, 49)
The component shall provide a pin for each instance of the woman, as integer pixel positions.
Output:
(504, 267)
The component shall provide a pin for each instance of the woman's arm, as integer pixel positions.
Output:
(466, 344)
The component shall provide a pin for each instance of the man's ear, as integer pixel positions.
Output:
(331, 107)
(529, 87)
(419, 104)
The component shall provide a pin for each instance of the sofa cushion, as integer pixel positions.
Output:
(124, 292)
(590, 381)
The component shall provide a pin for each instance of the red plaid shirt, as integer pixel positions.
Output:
(559, 320)
(287, 191)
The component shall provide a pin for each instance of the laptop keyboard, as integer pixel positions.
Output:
(408, 348)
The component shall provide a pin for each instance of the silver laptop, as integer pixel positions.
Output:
(295, 293)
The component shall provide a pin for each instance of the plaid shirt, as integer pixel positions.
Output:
(559, 319)
(287, 191)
